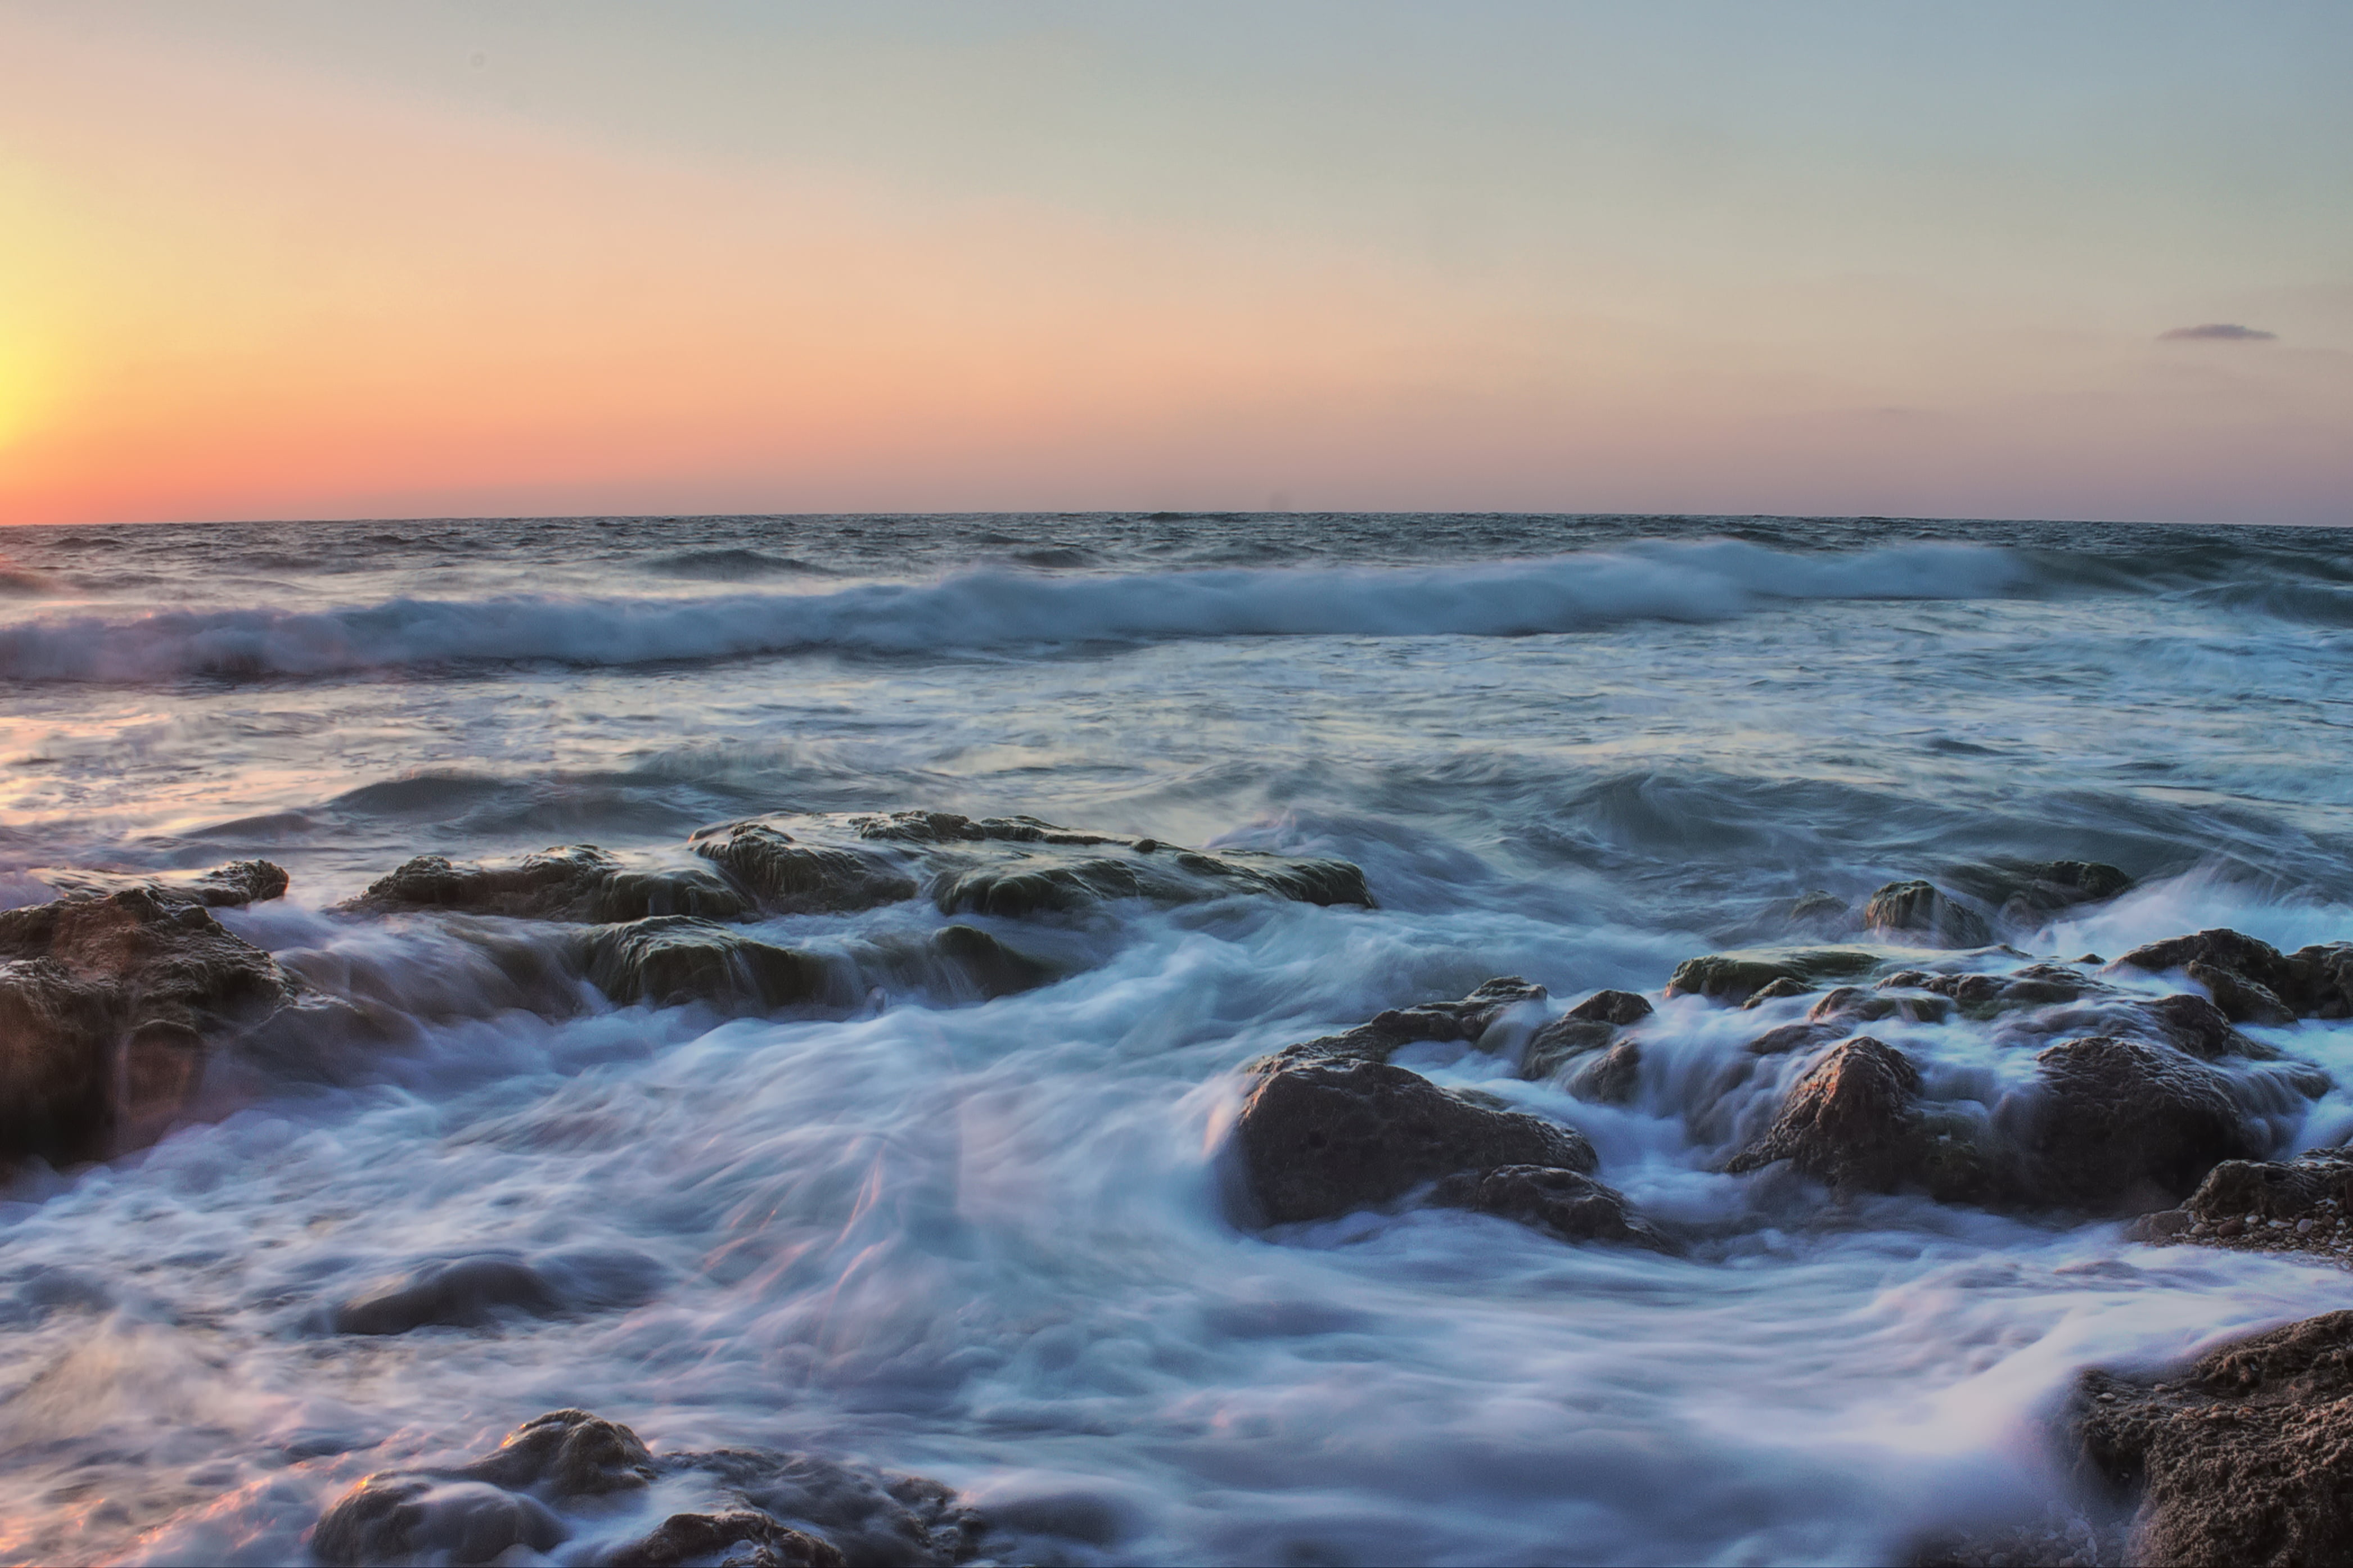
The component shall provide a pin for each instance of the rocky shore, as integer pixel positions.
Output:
(2130, 1091)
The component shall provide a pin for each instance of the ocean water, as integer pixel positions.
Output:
(987, 1241)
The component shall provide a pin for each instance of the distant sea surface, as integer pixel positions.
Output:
(985, 1241)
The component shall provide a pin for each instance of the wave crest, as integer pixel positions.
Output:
(995, 609)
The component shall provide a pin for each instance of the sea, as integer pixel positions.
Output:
(988, 1241)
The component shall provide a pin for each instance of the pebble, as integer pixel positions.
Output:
(2304, 1227)
(2229, 1227)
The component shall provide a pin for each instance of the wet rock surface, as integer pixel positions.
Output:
(1025, 888)
(571, 882)
(2300, 1205)
(669, 960)
(2239, 1457)
(1922, 912)
(1319, 1139)
(2122, 1125)
(111, 1007)
(1737, 976)
(786, 876)
(1854, 1122)
(794, 1510)
(1567, 1203)
(1387, 1032)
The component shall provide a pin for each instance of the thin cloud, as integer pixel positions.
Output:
(2227, 331)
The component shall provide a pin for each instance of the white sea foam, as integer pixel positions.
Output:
(998, 609)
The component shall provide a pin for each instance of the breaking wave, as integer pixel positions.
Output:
(989, 609)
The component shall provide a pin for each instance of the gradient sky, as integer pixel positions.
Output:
(323, 261)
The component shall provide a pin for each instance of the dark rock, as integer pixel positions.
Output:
(947, 827)
(994, 969)
(1737, 976)
(779, 1508)
(1319, 1139)
(1566, 1203)
(107, 1003)
(392, 1518)
(1854, 1005)
(2198, 1027)
(878, 1519)
(2239, 999)
(1468, 1020)
(1788, 985)
(669, 960)
(2274, 1205)
(1854, 1122)
(1619, 1008)
(1918, 910)
(2161, 1226)
(1561, 1041)
(463, 1293)
(1819, 909)
(1029, 886)
(233, 886)
(571, 882)
(2242, 956)
(2325, 978)
(685, 1538)
(799, 878)
(1610, 1077)
(2122, 1125)
(2031, 890)
(2238, 1459)
(1799, 1036)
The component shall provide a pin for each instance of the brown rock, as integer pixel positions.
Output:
(789, 878)
(2240, 1459)
(669, 960)
(690, 1537)
(107, 1007)
(1854, 1122)
(1468, 1020)
(1318, 1139)
(2115, 1124)
(1619, 1008)
(1568, 1204)
(2238, 998)
(1917, 910)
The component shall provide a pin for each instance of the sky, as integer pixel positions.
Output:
(311, 260)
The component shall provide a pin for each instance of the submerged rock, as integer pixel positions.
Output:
(790, 877)
(2027, 891)
(993, 968)
(1621, 1007)
(775, 1509)
(1318, 1139)
(2237, 1458)
(669, 960)
(1024, 887)
(1737, 976)
(743, 1537)
(109, 1008)
(1467, 1020)
(233, 886)
(1562, 1202)
(1921, 912)
(463, 1293)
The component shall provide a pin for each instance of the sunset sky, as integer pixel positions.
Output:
(319, 260)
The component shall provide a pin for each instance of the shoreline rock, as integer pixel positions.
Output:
(2236, 1457)
(794, 1510)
